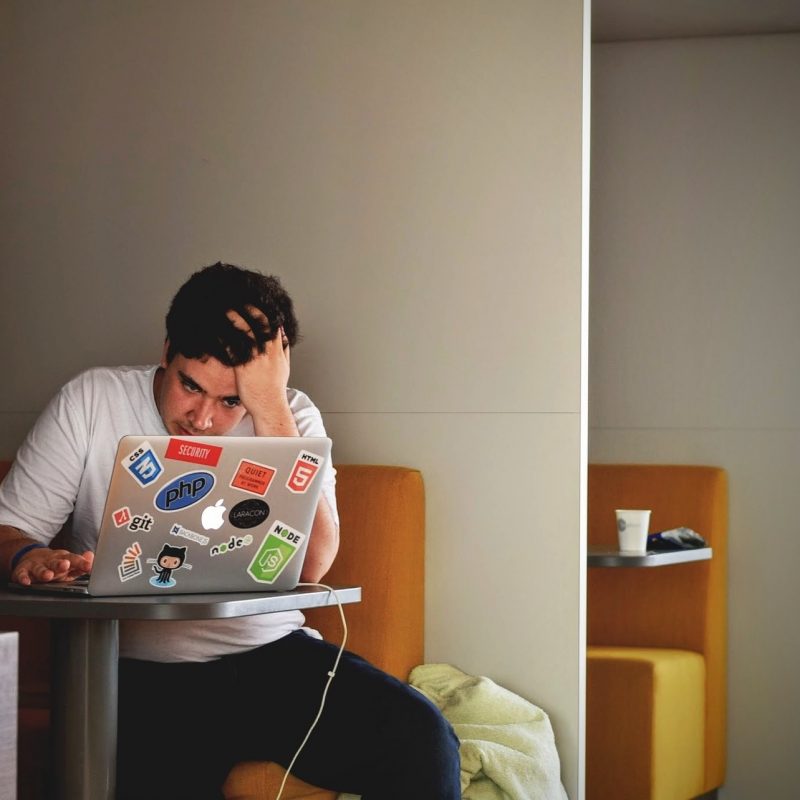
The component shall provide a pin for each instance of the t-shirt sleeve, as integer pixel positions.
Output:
(39, 492)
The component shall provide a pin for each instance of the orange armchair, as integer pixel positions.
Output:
(657, 639)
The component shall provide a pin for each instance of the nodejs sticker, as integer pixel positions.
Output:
(193, 452)
(276, 551)
(234, 543)
(303, 472)
(143, 464)
(248, 513)
(252, 477)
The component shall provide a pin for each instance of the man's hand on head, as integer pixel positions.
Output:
(261, 382)
(43, 565)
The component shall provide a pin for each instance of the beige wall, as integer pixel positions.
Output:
(695, 331)
(413, 170)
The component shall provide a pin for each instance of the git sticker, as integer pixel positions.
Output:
(143, 464)
(276, 551)
(252, 477)
(303, 472)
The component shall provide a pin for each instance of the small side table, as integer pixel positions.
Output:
(599, 556)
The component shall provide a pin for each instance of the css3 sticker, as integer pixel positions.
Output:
(143, 464)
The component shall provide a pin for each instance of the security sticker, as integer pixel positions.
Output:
(252, 477)
(143, 464)
(276, 551)
(193, 452)
(131, 564)
(305, 468)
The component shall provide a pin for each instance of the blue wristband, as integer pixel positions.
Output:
(15, 559)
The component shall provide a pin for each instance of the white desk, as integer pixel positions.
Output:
(85, 655)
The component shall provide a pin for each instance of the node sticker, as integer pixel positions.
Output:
(131, 564)
(303, 472)
(276, 551)
(143, 464)
(252, 477)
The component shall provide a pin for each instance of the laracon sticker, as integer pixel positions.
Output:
(305, 468)
(184, 491)
(248, 513)
(194, 452)
(131, 564)
(143, 464)
(252, 477)
(276, 551)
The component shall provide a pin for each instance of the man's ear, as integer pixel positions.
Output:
(164, 359)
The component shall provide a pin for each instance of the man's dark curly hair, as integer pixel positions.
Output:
(197, 324)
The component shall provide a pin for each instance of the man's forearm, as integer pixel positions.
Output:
(12, 540)
(322, 546)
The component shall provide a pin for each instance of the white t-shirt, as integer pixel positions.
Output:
(60, 479)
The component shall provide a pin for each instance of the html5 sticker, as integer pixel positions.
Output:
(303, 472)
(252, 477)
(143, 464)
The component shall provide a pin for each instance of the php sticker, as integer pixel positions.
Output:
(276, 551)
(252, 477)
(303, 472)
(194, 452)
(143, 464)
(184, 491)
(131, 564)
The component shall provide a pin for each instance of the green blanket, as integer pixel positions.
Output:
(508, 751)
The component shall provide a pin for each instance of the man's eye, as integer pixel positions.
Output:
(231, 402)
(190, 387)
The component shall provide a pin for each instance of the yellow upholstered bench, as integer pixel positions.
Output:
(656, 668)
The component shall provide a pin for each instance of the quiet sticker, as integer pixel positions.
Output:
(252, 477)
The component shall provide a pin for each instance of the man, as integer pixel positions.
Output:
(197, 697)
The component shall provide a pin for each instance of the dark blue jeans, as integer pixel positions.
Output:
(183, 726)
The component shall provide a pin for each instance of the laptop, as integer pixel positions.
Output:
(205, 514)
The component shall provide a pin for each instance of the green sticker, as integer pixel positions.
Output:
(276, 551)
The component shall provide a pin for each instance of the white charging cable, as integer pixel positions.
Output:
(331, 676)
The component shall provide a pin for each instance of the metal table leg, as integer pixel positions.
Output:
(84, 702)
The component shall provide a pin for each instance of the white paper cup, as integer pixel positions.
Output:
(632, 528)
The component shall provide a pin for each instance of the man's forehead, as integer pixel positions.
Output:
(209, 374)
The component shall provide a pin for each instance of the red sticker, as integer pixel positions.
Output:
(253, 477)
(193, 452)
(122, 516)
(303, 472)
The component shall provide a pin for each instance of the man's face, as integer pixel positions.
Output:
(197, 396)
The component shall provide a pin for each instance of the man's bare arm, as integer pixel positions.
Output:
(39, 564)
(322, 546)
